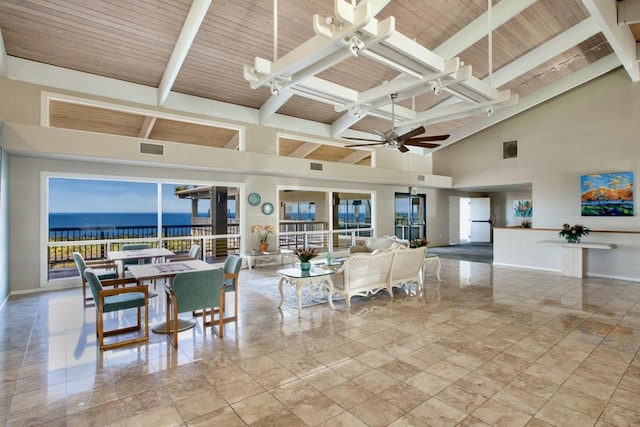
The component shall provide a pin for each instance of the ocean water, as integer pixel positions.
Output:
(115, 224)
(115, 219)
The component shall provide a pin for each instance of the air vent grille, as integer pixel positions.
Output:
(510, 150)
(420, 177)
(155, 149)
(316, 166)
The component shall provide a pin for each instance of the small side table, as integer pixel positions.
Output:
(295, 277)
(432, 259)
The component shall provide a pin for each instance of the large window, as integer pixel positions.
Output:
(300, 211)
(93, 216)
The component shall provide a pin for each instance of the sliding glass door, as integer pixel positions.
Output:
(410, 216)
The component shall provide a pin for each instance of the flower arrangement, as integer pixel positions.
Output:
(573, 233)
(416, 243)
(263, 232)
(305, 254)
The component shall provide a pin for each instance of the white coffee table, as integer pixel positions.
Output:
(295, 277)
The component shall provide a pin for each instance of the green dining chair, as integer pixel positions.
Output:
(104, 269)
(135, 247)
(194, 290)
(117, 299)
(194, 254)
(232, 266)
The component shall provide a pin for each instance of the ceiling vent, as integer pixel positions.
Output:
(510, 150)
(316, 166)
(155, 149)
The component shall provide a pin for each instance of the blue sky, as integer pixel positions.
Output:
(83, 195)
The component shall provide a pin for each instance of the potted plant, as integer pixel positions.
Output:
(263, 232)
(573, 233)
(305, 255)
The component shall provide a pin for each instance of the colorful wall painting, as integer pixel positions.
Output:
(607, 194)
(522, 208)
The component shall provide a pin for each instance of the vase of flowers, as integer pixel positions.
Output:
(419, 242)
(263, 232)
(305, 255)
(573, 233)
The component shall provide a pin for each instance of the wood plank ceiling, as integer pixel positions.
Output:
(542, 49)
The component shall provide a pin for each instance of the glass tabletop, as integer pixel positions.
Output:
(296, 273)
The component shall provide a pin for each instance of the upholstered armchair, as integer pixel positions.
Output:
(194, 290)
(104, 269)
(116, 299)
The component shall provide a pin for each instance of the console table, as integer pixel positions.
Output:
(253, 257)
(573, 255)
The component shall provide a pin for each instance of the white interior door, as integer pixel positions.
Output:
(454, 220)
(480, 221)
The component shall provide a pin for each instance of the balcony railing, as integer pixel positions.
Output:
(95, 243)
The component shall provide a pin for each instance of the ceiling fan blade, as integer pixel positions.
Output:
(365, 145)
(430, 138)
(411, 134)
(385, 136)
(361, 139)
(414, 143)
(402, 148)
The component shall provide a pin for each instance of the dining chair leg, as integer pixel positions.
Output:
(221, 313)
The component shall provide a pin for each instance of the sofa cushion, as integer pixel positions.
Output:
(383, 242)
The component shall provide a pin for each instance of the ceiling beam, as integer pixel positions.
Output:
(273, 104)
(310, 54)
(355, 157)
(3, 58)
(478, 28)
(188, 33)
(147, 126)
(545, 52)
(304, 150)
(234, 142)
(622, 41)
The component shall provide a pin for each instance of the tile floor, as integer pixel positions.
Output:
(488, 346)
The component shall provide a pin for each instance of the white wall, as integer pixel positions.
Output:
(4, 222)
(593, 129)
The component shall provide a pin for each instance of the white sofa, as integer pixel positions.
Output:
(365, 273)
(378, 243)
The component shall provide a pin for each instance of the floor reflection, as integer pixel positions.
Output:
(485, 346)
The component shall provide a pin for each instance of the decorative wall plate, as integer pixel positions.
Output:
(254, 199)
(267, 208)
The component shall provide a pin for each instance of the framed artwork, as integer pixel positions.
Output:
(607, 194)
(522, 208)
